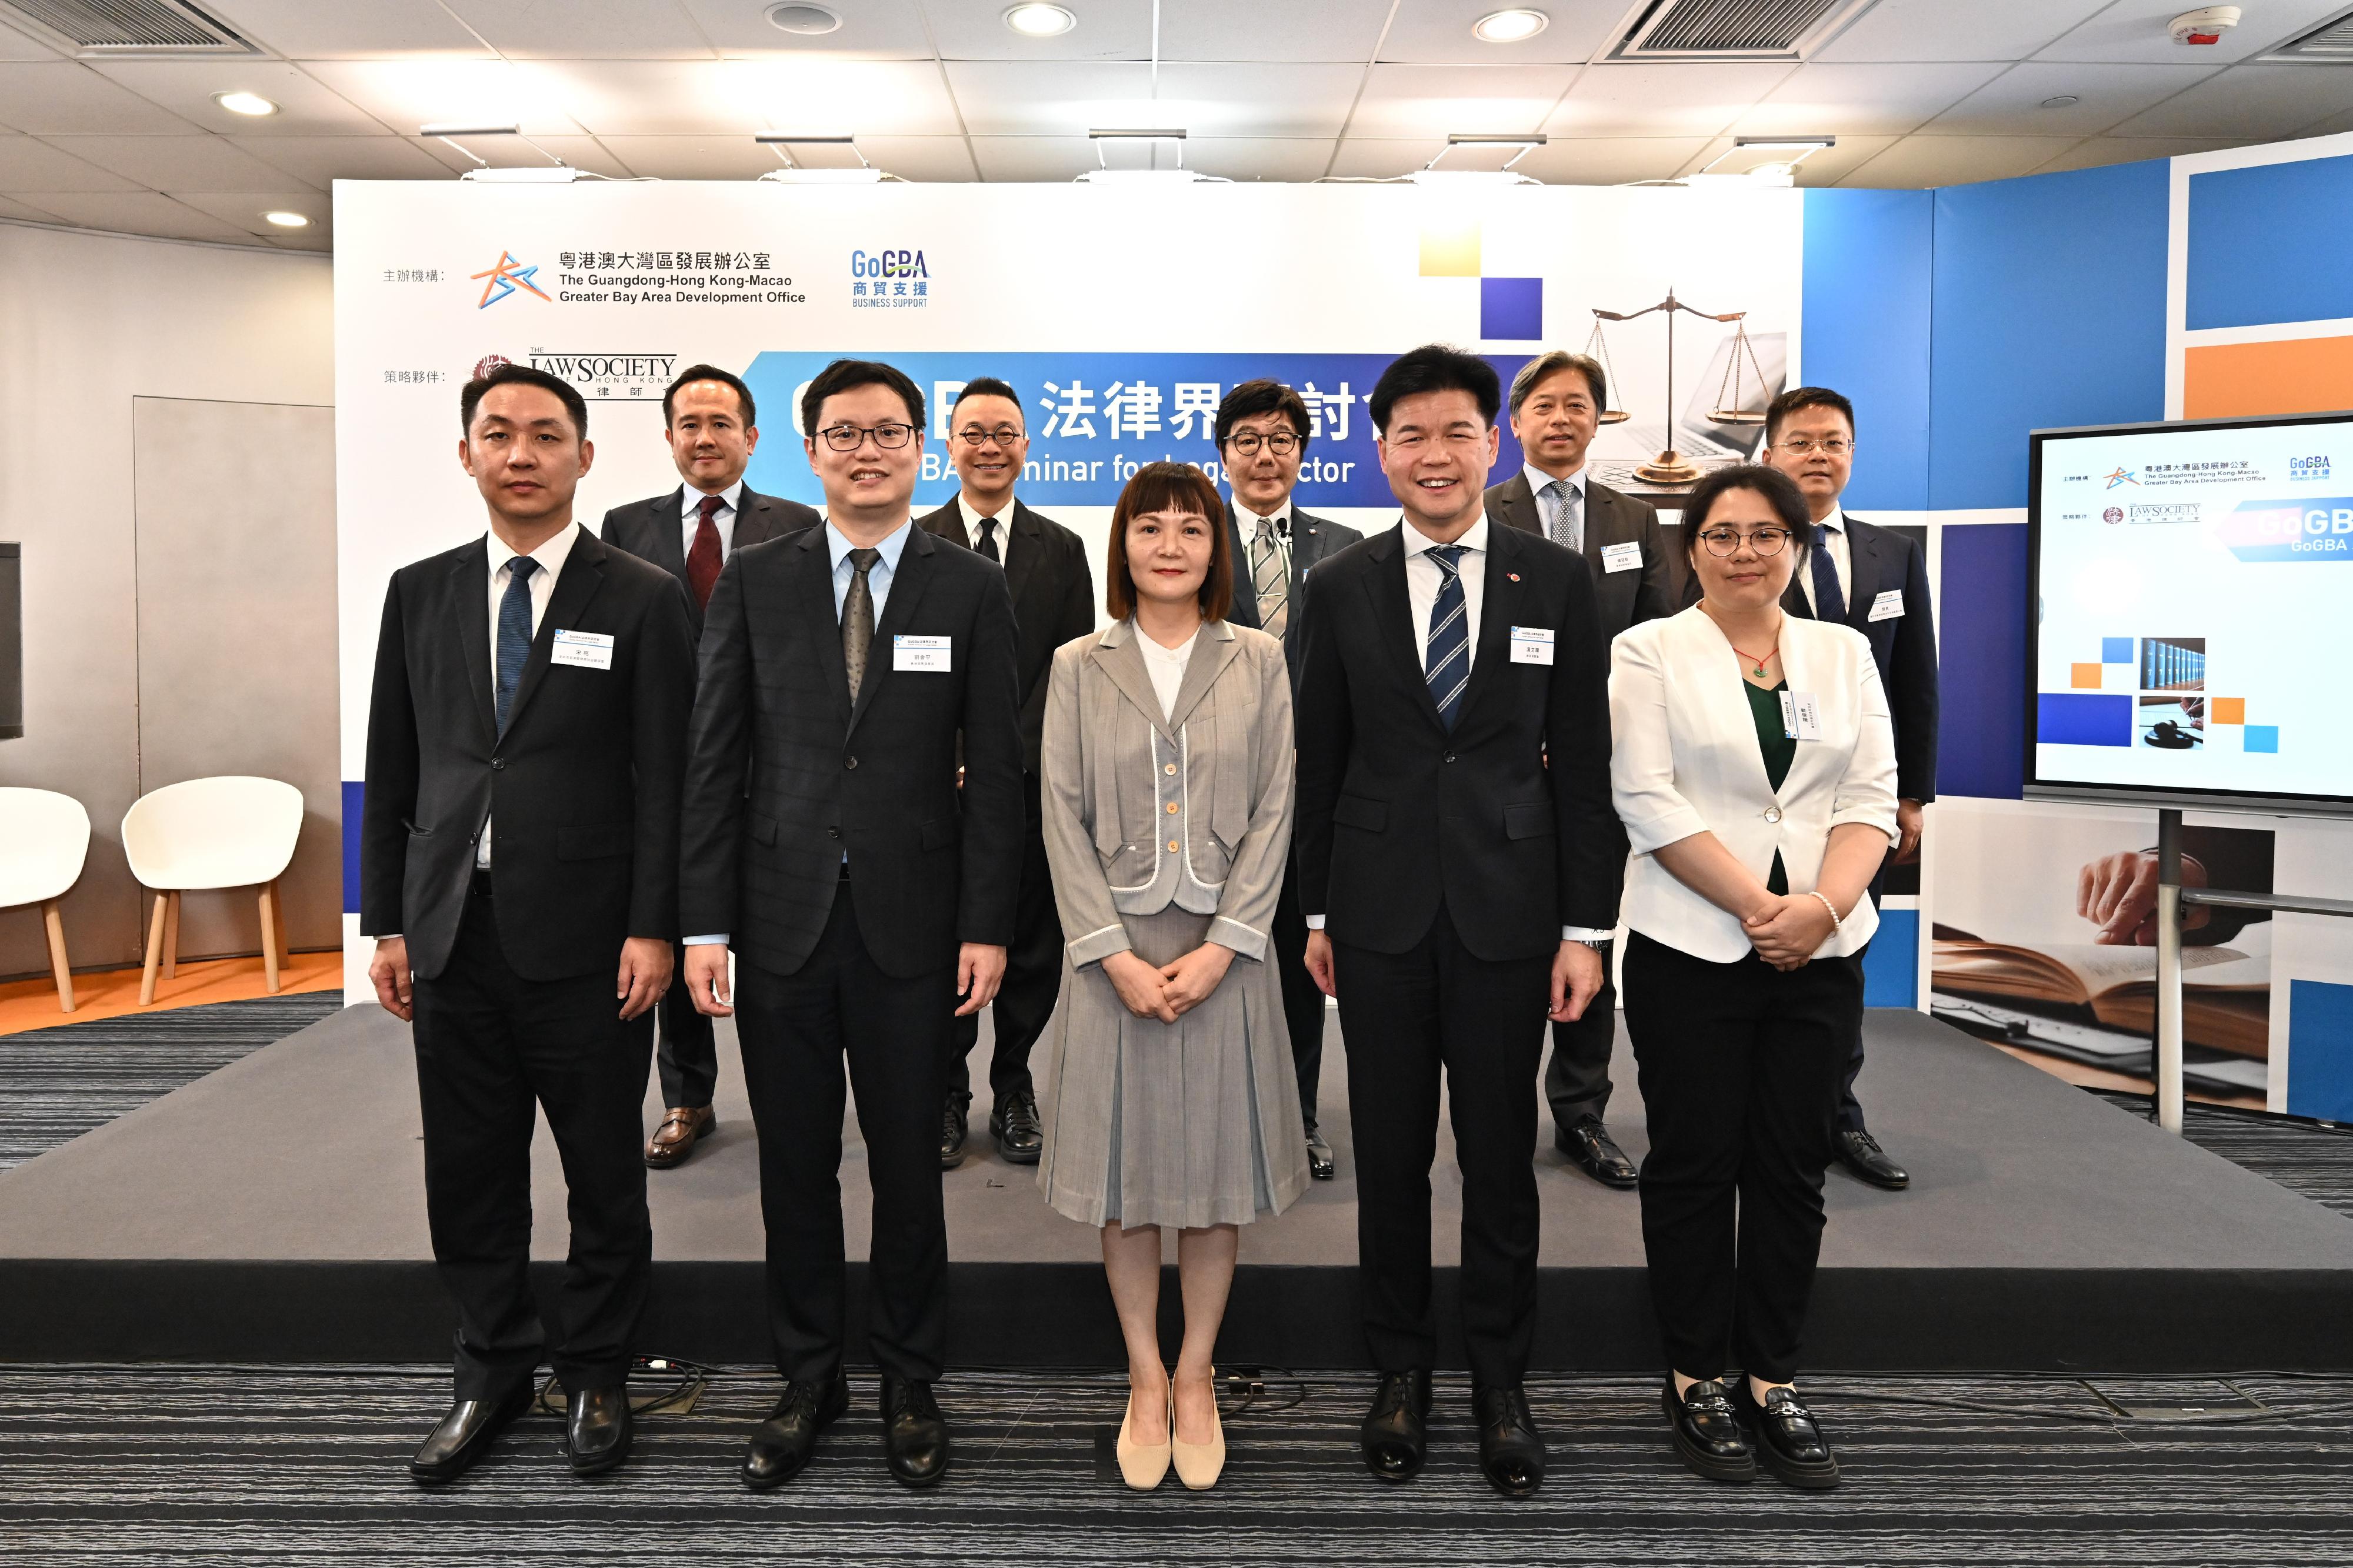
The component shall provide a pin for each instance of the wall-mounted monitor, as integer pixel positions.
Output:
(2193, 603)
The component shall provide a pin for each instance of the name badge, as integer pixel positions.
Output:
(1532, 645)
(1626, 557)
(583, 650)
(1801, 716)
(923, 655)
(1888, 606)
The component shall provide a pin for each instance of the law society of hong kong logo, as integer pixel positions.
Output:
(2113, 514)
(617, 375)
(504, 278)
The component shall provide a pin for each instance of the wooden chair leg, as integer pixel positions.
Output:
(278, 904)
(270, 934)
(171, 939)
(57, 965)
(154, 949)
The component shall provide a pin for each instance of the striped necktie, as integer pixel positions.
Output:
(1271, 576)
(1447, 663)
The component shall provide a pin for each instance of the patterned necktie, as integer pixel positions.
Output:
(1566, 529)
(702, 561)
(987, 545)
(514, 632)
(1271, 575)
(1447, 663)
(1830, 600)
(858, 618)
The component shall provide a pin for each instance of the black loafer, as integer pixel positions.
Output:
(1020, 1138)
(1591, 1150)
(1789, 1443)
(1860, 1153)
(465, 1435)
(597, 1429)
(1395, 1436)
(1707, 1432)
(914, 1433)
(953, 1133)
(782, 1444)
(1510, 1451)
(1319, 1163)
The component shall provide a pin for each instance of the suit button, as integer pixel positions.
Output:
(833, 833)
(1772, 814)
(849, 762)
(1450, 756)
(498, 764)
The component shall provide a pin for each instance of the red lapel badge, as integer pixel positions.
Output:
(1514, 576)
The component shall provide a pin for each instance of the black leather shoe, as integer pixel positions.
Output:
(597, 1429)
(1395, 1436)
(1014, 1124)
(1591, 1150)
(1319, 1163)
(1707, 1432)
(1860, 1153)
(464, 1436)
(782, 1444)
(914, 1433)
(953, 1133)
(1789, 1443)
(1510, 1451)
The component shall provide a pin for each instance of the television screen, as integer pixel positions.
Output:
(2193, 586)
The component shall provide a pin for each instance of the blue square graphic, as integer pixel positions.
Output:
(2320, 1049)
(2261, 738)
(1511, 308)
(1890, 964)
(2115, 650)
(2083, 719)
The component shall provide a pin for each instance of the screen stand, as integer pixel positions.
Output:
(2169, 971)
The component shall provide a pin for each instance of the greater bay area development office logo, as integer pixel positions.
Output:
(2121, 477)
(507, 277)
(610, 376)
(889, 280)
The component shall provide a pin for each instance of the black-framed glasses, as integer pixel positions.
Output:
(1281, 443)
(1769, 540)
(973, 435)
(890, 435)
(1801, 447)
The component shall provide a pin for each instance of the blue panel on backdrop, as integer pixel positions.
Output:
(2268, 245)
(1982, 675)
(1890, 964)
(2050, 311)
(1095, 418)
(1511, 309)
(2083, 719)
(2320, 1049)
(354, 798)
(1868, 258)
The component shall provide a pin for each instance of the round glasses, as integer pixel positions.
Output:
(888, 435)
(973, 435)
(1281, 443)
(1770, 539)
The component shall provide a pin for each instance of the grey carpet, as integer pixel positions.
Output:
(2307, 1158)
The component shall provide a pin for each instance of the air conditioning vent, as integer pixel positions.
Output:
(108, 27)
(2331, 43)
(1734, 29)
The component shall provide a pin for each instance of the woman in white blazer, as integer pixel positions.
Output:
(1753, 765)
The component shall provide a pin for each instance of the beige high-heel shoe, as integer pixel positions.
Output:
(1199, 1464)
(1143, 1465)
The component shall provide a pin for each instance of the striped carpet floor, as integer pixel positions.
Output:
(292, 1467)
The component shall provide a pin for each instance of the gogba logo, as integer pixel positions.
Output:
(889, 280)
(2316, 468)
(2113, 514)
(505, 278)
(618, 375)
(2121, 477)
(2289, 531)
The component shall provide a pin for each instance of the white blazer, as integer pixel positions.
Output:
(1685, 760)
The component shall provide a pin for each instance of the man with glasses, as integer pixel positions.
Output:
(1876, 581)
(1556, 403)
(1261, 433)
(824, 839)
(1053, 594)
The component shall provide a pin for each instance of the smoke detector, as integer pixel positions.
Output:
(2204, 26)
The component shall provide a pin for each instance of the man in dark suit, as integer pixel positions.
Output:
(526, 737)
(1876, 581)
(1053, 594)
(1262, 430)
(1556, 403)
(1458, 866)
(825, 840)
(707, 419)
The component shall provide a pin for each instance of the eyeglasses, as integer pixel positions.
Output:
(1281, 443)
(973, 435)
(1799, 447)
(890, 435)
(1766, 540)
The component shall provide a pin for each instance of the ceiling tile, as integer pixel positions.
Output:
(1054, 159)
(1297, 159)
(1647, 100)
(139, 212)
(1608, 160)
(1826, 167)
(1051, 97)
(1059, 98)
(318, 241)
(878, 29)
(668, 98)
(514, 153)
(243, 210)
(349, 29)
(22, 212)
(1916, 163)
(1438, 32)
(179, 163)
(1392, 157)
(693, 157)
(68, 97)
(2098, 152)
(1941, 30)
(2333, 125)
(2011, 104)
(27, 165)
(2140, 30)
(407, 93)
(1862, 99)
(1254, 30)
(1434, 100)
(866, 98)
(322, 160)
(2259, 103)
(586, 29)
(16, 46)
(305, 108)
(1107, 30)
(932, 158)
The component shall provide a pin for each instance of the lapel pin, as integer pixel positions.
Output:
(1514, 576)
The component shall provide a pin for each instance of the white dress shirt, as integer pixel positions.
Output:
(1246, 522)
(1841, 560)
(1167, 665)
(551, 557)
(689, 506)
(1537, 479)
(1004, 529)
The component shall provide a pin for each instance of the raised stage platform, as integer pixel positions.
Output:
(274, 1211)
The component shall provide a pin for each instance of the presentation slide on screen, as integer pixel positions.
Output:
(2193, 588)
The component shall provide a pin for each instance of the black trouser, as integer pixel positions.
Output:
(687, 1058)
(796, 1031)
(1739, 1065)
(490, 1046)
(1576, 1079)
(1403, 1016)
(1304, 1012)
(1850, 1111)
(1033, 980)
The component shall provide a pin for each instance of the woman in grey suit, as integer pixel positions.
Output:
(1167, 778)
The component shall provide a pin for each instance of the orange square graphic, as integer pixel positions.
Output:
(2084, 677)
(2227, 710)
(2300, 375)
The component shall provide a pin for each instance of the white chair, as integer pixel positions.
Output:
(231, 832)
(44, 839)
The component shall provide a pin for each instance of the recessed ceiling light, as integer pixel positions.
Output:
(245, 103)
(1509, 26)
(287, 220)
(2064, 100)
(809, 21)
(1040, 21)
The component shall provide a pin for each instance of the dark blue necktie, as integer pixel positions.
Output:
(1829, 603)
(514, 632)
(1447, 663)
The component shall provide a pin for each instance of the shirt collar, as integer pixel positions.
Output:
(551, 555)
(1475, 538)
(1248, 521)
(972, 516)
(838, 547)
(1538, 478)
(690, 500)
(1836, 522)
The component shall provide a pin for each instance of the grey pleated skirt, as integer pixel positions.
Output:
(1191, 1123)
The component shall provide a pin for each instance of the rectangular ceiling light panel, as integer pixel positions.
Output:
(1734, 29)
(106, 28)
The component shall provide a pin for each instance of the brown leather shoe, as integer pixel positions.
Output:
(683, 1127)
